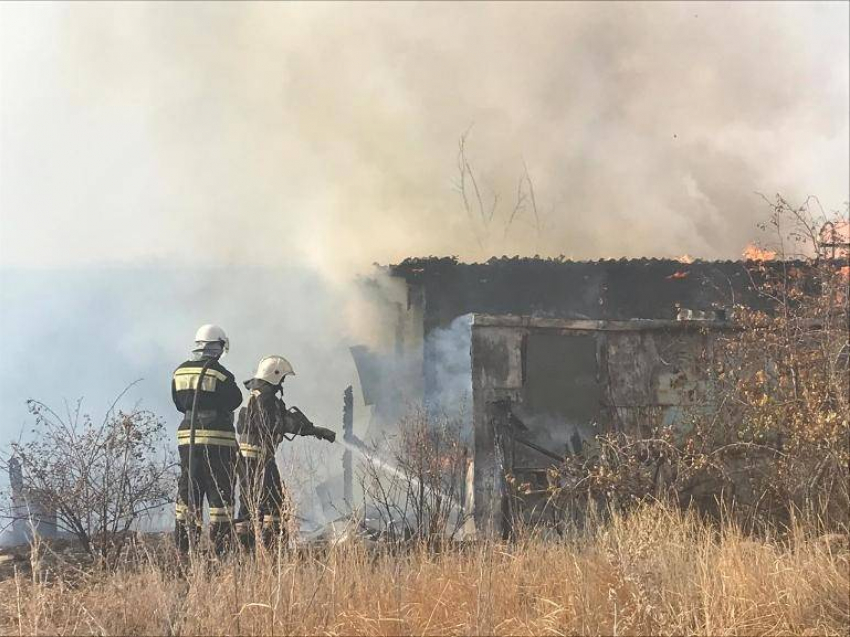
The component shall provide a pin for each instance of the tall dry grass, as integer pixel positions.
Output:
(654, 571)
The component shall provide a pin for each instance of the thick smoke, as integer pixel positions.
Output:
(326, 135)
(450, 350)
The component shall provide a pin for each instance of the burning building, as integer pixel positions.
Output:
(539, 356)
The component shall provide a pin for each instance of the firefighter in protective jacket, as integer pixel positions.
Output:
(215, 446)
(262, 425)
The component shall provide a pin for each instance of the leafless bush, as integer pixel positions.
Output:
(418, 491)
(482, 208)
(98, 478)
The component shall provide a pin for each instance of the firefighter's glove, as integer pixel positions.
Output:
(325, 434)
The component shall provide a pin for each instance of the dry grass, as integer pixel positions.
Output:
(655, 571)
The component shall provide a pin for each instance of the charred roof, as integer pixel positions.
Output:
(415, 268)
(613, 289)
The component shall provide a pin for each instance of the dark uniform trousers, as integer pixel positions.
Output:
(262, 425)
(261, 493)
(206, 385)
(213, 477)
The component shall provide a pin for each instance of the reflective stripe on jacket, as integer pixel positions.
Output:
(207, 437)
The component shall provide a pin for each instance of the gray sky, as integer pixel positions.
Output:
(147, 148)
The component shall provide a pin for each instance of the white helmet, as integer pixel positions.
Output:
(273, 369)
(212, 334)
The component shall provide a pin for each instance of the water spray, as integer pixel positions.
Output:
(355, 444)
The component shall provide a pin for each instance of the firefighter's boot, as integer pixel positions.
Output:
(181, 536)
(273, 533)
(221, 535)
(244, 532)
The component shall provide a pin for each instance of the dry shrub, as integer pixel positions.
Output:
(98, 479)
(784, 380)
(655, 571)
(413, 482)
(772, 436)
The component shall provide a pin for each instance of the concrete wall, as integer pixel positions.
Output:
(569, 380)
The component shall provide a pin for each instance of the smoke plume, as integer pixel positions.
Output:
(327, 135)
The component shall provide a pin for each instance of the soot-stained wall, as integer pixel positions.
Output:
(558, 383)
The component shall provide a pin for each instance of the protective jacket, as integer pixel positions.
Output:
(264, 421)
(219, 397)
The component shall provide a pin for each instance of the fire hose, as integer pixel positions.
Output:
(190, 518)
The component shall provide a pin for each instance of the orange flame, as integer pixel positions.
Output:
(686, 259)
(754, 253)
(681, 274)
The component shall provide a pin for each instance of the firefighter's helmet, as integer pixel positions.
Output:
(273, 369)
(212, 334)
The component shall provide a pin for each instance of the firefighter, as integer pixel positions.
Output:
(262, 425)
(215, 448)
